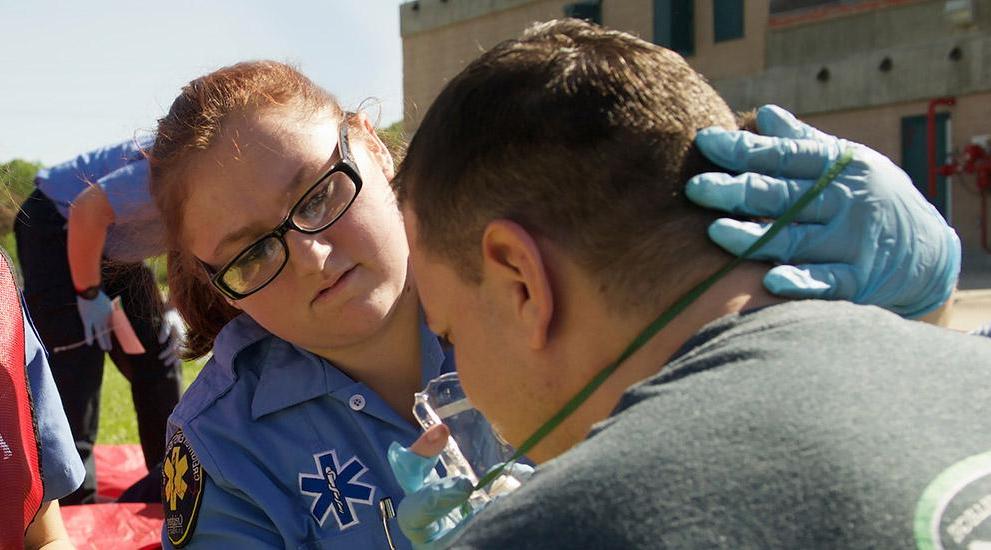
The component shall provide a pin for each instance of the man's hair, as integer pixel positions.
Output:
(584, 137)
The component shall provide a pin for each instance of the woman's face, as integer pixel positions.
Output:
(339, 286)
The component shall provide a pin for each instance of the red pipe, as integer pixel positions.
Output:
(931, 139)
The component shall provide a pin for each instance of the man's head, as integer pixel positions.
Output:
(545, 186)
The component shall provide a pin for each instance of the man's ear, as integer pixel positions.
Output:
(376, 147)
(512, 263)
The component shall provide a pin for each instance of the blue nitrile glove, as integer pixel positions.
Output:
(870, 237)
(430, 516)
(95, 315)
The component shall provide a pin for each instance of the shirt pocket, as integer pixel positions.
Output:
(370, 535)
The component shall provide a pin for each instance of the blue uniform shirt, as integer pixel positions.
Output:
(122, 172)
(61, 468)
(292, 450)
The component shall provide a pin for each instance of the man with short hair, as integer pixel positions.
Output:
(543, 200)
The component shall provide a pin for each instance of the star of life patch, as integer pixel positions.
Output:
(182, 490)
(336, 488)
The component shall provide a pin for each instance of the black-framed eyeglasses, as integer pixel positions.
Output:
(323, 204)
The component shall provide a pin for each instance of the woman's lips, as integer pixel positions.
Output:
(335, 286)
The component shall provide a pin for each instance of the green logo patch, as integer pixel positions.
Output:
(955, 509)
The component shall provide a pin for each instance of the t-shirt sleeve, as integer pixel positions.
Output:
(127, 190)
(93, 165)
(61, 468)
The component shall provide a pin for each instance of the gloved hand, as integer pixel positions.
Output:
(95, 315)
(870, 237)
(172, 331)
(432, 515)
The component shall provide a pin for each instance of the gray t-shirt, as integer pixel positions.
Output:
(802, 425)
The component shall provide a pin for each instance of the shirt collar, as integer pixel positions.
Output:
(290, 375)
(239, 333)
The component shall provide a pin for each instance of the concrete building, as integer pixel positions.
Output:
(863, 69)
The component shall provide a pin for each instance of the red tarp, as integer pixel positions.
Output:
(110, 526)
(115, 525)
(117, 468)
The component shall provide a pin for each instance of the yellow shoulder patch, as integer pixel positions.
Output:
(182, 489)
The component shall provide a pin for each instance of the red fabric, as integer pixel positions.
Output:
(114, 525)
(19, 470)
(117, 468)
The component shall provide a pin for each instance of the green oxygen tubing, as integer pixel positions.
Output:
(661, 321)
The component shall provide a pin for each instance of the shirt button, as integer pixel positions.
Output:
(357, 402)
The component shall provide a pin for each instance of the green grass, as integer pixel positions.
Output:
(118, 423)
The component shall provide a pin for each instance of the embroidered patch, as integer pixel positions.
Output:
(182, 490)
(336, 489)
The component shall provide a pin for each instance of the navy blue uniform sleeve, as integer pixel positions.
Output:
(62, 470)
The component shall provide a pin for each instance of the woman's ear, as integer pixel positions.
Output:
(375, 146)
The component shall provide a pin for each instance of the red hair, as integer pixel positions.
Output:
(192, 125)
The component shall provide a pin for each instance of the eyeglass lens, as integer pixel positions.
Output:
(318, 209)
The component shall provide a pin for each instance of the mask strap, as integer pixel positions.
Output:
(660, 322)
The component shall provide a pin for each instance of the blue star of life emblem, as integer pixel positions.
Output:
(336, 488)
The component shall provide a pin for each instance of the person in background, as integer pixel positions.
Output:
(546, 247)
(81, 237)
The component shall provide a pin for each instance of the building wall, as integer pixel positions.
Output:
(851, 45)
(435, 52)
(440, 38)
(731, 58)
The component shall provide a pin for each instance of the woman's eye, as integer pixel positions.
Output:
(314, 204)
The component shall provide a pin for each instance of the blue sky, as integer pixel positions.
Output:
(77, 75)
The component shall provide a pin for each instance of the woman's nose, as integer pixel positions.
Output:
(308, 253)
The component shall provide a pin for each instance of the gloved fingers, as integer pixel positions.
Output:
(419, 511)
(775, 121)
(88, 332)
(803, 242)
(521, 472)
(751, 194)
(813, 281)
(411, 470)
(168, 357)
(741, 151)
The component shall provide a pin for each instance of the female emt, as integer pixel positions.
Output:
(288, 260)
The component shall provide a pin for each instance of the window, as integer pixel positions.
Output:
(727, 20)
(674, 25)
(589, 10)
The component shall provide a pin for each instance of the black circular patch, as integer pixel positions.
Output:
(182, 490)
